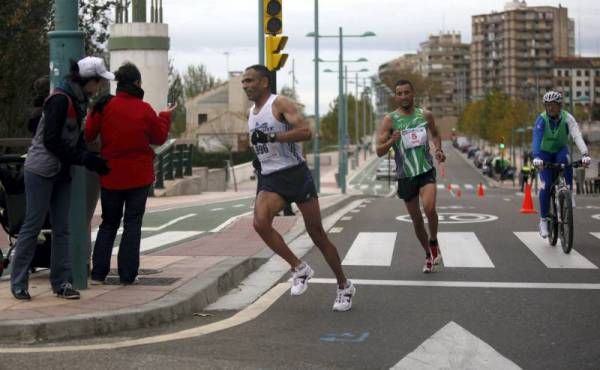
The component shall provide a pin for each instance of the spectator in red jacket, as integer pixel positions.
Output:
(127, 127)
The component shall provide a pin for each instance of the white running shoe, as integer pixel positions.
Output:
(544, 228)
(343, 297)
(573, 200)
(300, 279)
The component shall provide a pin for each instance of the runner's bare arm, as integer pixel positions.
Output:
(285, 109)
(435, 137)
(385, 140)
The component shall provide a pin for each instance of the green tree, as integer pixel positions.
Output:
(24, 26)
(329, 122)
(175, 95)
(197, 80)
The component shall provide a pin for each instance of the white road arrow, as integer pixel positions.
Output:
(453, 347)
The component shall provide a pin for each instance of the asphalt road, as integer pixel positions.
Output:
(504, 299)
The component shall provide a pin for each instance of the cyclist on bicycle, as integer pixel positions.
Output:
(551, 131)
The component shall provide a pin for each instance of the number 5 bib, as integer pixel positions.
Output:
(414, 137)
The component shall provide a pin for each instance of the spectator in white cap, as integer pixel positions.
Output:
(57, 144)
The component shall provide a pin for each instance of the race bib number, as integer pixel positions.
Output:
(414, 137)
(263, 151)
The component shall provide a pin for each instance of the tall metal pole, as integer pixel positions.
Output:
(317, 133)
(346, 134)
(341, 133)
(261, 33)
(356, 109)
(364, 114)
(66, 43)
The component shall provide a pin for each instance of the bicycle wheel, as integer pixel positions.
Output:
(552, 220)
(566, 221)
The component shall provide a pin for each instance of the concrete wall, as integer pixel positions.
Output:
(153, 64)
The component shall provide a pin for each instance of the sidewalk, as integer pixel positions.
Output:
(174, 282)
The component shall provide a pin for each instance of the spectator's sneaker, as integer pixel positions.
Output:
(134, 282)
(343, 297)
(67, 292)
(428, 266)
(544, 228)
(300, 278)
(21, 294)
(436, 254)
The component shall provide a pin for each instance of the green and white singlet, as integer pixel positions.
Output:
(412, 149)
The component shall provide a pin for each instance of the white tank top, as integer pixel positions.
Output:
(275, 156)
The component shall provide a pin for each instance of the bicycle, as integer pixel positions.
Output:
(560, 215)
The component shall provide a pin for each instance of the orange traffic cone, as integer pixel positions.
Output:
(449, 187)
(442, 171)
(527, 201)
(480, 192)
(458, 193)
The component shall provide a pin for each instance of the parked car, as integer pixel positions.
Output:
(472, 151)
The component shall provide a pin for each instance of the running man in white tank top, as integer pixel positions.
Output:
(276, 127)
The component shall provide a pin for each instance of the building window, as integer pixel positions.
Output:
(559, 73)
(587, 73)
(566, 73)
(578, 73)
(202, 117)
(578, 94)
(578, 83)
(587, 83)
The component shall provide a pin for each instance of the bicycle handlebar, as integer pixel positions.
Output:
(574, 164)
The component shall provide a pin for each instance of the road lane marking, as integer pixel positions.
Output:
(371, 249)
(149, 228)
(469, 187)
(346, 218)
(553, 257)
(440, 186)
(463, 249)
(217, 209)
(453, 347)
(464, 284)
(159, 240)
(336, 230)
(597, 235)
(229, 222)
(237, 205)
(248, 314)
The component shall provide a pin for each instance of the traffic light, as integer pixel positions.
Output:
(273, 17)
(274, 45)
(501, 144)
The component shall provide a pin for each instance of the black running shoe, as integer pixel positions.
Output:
(67, 292)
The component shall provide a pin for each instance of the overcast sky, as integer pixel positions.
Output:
(205, 31)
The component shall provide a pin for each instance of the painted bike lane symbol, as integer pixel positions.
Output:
(456, 218)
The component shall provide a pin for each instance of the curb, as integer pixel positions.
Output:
(191, 297)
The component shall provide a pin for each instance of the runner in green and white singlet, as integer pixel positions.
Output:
(412, 151)
(408, 130)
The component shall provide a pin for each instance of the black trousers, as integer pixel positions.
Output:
(133, 201)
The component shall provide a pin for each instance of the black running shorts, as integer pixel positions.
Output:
(408, 187)
(294, 184)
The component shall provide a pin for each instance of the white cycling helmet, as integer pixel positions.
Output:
(552, 96)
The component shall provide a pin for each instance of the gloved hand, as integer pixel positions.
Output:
(94, 162)
(537, 162)
(259, 137)
(256, 164)
(586, 160)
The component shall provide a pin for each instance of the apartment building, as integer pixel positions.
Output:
(514, 50)
(578, 78)
(444, 61)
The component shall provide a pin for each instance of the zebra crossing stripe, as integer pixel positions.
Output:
(371, 249)
(469, 187)
(440, 186)
(553, 257)
(597, 235)
(463, 249)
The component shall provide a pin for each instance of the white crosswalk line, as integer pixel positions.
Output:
(597, 235)
(158, 240)
(440, 186)
(553, 257)
(336, 230)
(469, 187)
(378, 186)
(371, 249)
(463, 249)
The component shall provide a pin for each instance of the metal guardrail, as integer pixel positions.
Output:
(173, 161)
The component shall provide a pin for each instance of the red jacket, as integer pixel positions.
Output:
(127, 127)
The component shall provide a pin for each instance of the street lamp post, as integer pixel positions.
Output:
(317, 137)
(66, 43)
(341, 134)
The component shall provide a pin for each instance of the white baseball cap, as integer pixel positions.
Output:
(94, 66)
